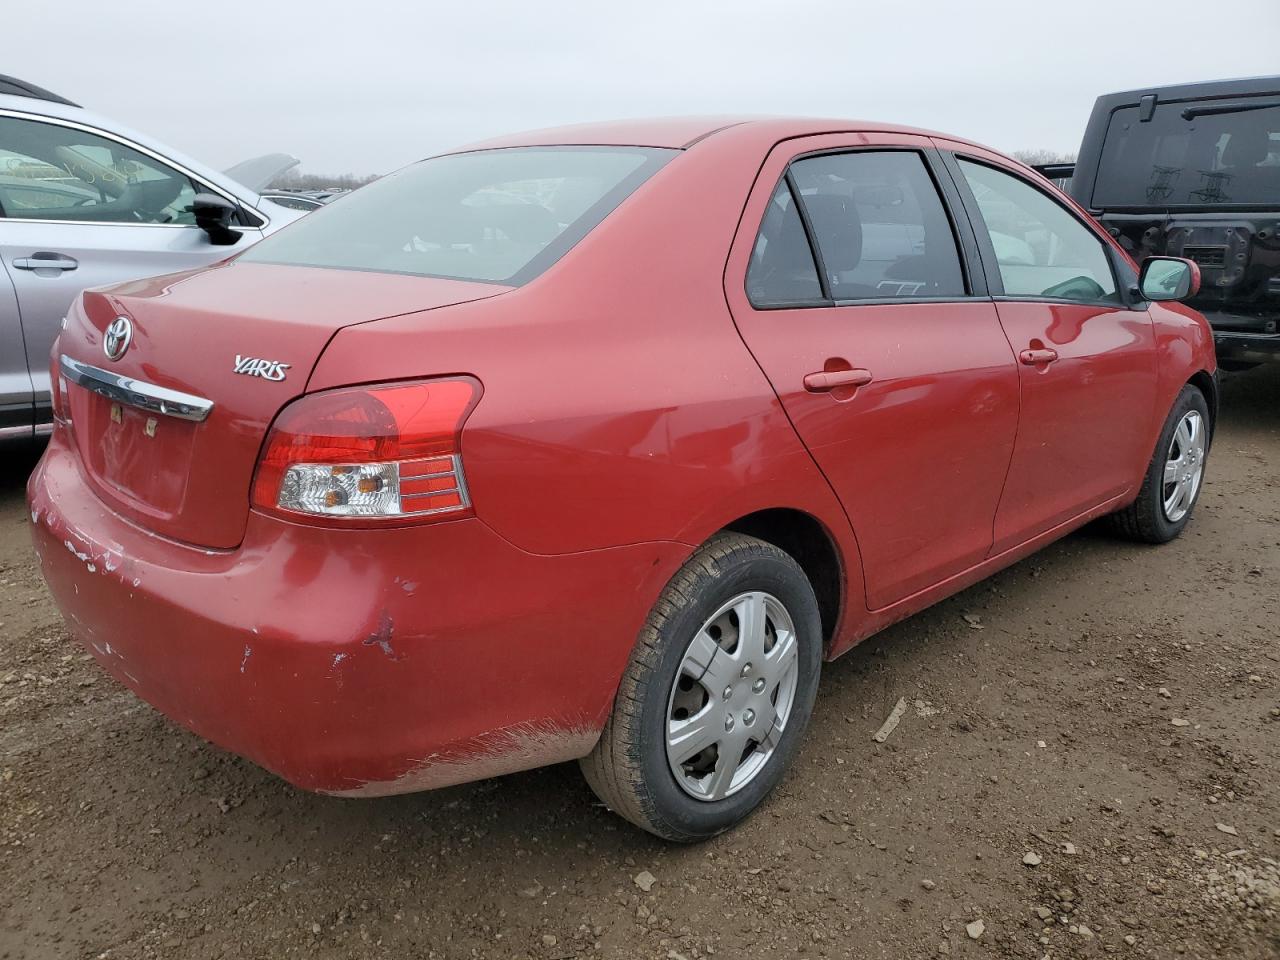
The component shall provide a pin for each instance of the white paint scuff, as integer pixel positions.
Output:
(521, 746)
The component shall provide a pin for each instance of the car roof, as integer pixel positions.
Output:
(684, 132)
(1200, 90)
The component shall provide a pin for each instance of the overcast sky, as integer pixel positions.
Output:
(366, 87)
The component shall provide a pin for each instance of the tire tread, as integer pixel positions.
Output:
(1138, 521)
(613, 768)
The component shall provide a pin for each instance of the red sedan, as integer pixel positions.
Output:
(593, 444)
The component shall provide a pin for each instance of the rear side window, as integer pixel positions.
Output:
(500, 216)
(781, 271)
(1041, 249)
(880, 226)
(1203, 154)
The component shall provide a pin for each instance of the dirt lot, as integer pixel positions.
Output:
(1112, 709)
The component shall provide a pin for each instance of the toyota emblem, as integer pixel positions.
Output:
(117, 337)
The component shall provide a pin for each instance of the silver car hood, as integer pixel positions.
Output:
(257, 172)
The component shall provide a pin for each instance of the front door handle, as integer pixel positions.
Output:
(830, 379)
(1037, 355)
(46, 261)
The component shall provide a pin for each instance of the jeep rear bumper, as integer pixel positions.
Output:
(1237, 347)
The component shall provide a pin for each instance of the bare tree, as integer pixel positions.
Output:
(1041, 155)
(295, 180)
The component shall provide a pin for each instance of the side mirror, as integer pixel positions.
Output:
(213, 215)
(1169, 278)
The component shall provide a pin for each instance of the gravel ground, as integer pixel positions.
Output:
(1089, 765)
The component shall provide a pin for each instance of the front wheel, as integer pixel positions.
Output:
(718, 692)
(1171, 485)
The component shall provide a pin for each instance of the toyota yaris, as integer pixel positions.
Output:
(593, 444)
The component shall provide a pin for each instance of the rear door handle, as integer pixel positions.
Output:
(830, 379)
(1038, 355)
(46, 261)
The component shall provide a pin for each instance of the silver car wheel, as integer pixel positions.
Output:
(732, 696)
(1184, 467)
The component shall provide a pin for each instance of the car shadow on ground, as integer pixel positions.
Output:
(16, 463)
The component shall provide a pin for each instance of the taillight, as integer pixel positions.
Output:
(377, 453)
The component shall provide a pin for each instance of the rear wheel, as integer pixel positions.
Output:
(1173, 479)
(718, 692)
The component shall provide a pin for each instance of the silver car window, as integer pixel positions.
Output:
(54, 172)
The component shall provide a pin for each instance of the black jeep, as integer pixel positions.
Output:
(1194, 171)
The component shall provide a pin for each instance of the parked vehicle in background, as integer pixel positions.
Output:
(295, 201)
(594, 443)
(1059, 174)
(307, 200)
(1194, 171)
(257, 173)
(85, 202)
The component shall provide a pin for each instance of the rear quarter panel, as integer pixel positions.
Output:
(620, 405)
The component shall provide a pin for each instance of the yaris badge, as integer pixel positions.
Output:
(266, 369)
(116, 338)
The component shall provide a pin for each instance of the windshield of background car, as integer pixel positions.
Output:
(1208, 158)
(500, 216)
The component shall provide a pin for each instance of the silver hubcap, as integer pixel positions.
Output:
(1183, 467)
(732, 696)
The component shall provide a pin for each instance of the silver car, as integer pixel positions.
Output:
(85, 202)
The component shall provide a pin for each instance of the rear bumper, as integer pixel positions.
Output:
(351, 662)
(1247, 347)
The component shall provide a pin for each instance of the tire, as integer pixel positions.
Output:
(1148, 519)
(694, 629)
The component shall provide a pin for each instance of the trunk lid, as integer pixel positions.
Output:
(243, 336)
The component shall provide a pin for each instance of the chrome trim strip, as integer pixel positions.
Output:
(463, 490)
(429, 493)
(136, 393)
(44, 429)
(147, 151)
(20, 431)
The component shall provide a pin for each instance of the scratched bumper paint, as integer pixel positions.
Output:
(351, 662)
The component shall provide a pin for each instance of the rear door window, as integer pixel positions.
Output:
(881, 230)
(1199, 153)
(1042, 250)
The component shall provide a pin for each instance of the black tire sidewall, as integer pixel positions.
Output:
(1189, 399)
(684, 815)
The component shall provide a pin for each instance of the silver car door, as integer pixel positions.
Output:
(15, 379)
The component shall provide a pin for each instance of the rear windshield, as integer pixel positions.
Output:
(1207, 158)
(501, 216)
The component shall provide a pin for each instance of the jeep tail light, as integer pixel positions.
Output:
(378, 453)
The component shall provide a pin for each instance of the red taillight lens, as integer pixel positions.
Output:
(377, 453)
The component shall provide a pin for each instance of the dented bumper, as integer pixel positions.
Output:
(351, 662)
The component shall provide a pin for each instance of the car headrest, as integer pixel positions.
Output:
(790, 250)
(837, 229)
